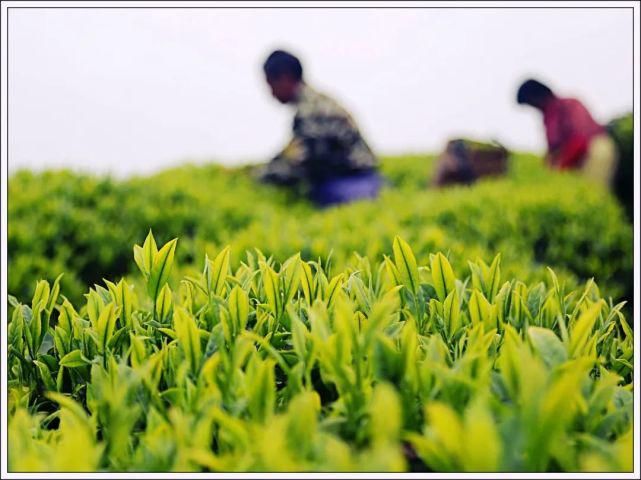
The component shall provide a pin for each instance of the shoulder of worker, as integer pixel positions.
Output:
(571, 102)
(315, 103)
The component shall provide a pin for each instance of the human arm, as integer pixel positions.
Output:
(286, 167)
(569, 154)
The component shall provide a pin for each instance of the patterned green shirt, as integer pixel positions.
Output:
(326, 142)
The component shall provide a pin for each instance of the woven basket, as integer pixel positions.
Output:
(465, 161)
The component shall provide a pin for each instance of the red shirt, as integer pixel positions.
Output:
(569, 128)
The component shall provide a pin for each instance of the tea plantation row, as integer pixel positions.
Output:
(390, 366)
(83, 225)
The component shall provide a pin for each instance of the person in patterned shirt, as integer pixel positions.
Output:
(327, 153)
(575, 140)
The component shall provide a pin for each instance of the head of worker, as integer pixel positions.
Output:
(534, 93)
(284, 75)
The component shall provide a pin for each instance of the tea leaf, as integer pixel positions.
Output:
(580, 332)
(405, 263)
(548, 346)
(216, 272)
(442, 275)
(161, 268)
(144, 256)
(238, 308)
(73, 359)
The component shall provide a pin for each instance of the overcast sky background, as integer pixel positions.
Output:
(134, 91)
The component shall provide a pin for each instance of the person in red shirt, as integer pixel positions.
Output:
(575, 140)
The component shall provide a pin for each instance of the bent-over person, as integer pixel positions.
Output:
(327, 152)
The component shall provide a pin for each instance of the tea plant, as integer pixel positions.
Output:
(84, 225)
(292, 367)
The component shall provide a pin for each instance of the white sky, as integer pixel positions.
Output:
(132, 91)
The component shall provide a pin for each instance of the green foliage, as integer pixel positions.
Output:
(273, 366)
(621, 130)
(84, 226)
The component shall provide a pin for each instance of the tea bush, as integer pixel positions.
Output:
(621, 129)
(83, 225)
(272, 366)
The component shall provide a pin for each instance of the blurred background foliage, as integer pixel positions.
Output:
(83, 225)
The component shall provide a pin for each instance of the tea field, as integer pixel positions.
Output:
(477, 328)
(84, 226)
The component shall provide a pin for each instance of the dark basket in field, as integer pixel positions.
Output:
(465, 161)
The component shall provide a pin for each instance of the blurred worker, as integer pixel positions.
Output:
(575, 140)
(327, 152)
